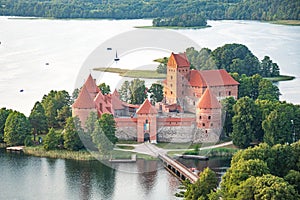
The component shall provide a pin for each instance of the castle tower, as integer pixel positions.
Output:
(83, 105)
(91, 86)
(208, 112)
(146, 122)
(178, 70)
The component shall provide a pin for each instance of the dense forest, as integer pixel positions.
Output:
(133, 9)
(185, 20)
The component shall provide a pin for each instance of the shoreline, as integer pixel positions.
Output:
(152, 74)
(172, 27)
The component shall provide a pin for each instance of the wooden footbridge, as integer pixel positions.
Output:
(178, 169)
(173, 166)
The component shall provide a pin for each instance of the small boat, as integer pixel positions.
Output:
(108, 49)
(117, 58)
(21, 90)
(47, 64)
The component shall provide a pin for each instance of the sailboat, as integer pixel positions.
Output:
(117, 58)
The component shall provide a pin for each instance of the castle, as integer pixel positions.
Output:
(190, 111)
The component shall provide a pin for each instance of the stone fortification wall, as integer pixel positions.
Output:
(126, 128)
(185, 134)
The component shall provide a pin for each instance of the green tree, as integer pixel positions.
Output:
(72, 133)
(105, 89)
(162, 67)
(38, 120)
(63, 114)
(124, 91)
(241, 171)
(278, 127)
(137, 90)
(17, 128)
(236, 58)
(246, 122)
(103, 135)
(3, 116)
(108, 126)
(268, 91)
(156, 93)
(227, 110)
(133, 92)
(52, 103)
(293, 178)
(206, 183)
(51, 140)
(272, 187)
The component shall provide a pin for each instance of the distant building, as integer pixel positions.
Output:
(190, 111)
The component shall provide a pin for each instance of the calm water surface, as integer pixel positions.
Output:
(27, 44)
(26, 177)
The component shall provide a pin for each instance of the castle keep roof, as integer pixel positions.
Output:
(84, 100)
(178, 60)
(208, 100)
(146, 108)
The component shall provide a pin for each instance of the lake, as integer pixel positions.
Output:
(39, 55)
(27, 177)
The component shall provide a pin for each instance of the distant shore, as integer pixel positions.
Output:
(287, 22)
(172, 27)
(152, 74)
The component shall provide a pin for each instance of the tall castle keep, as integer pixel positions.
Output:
(189, 112)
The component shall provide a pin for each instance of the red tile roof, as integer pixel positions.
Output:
(146, 108)
(208, 100)
(180, 59)
(91, 86)
(207, 78)
(84, 100)
(196, 80)
(218, 77)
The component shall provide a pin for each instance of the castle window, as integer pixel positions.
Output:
(171, 77)
(171, 92)
(179, 70)
(171, 85)
(101, 109)
(194, 104)
(203, 124)
(182, 77)
(211, 124)
(229, 93)
(200, 117)
(209, 117)
(182, 92)
(205, 131)
(220, 94)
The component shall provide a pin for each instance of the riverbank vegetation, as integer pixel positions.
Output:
(287, 22)
(261, 171)
(132, 9)
(149, 74)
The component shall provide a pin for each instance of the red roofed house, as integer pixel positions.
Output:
(190, 111)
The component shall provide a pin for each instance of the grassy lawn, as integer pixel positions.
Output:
(287, 22)
(151, 74)
(127, 142)
(217, 152)
(125, 147)
(172, 27)
(176, 145)
(280, 78)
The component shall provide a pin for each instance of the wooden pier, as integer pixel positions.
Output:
(15, 149)
(132, 160)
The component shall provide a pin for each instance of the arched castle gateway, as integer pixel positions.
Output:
(190, 111)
